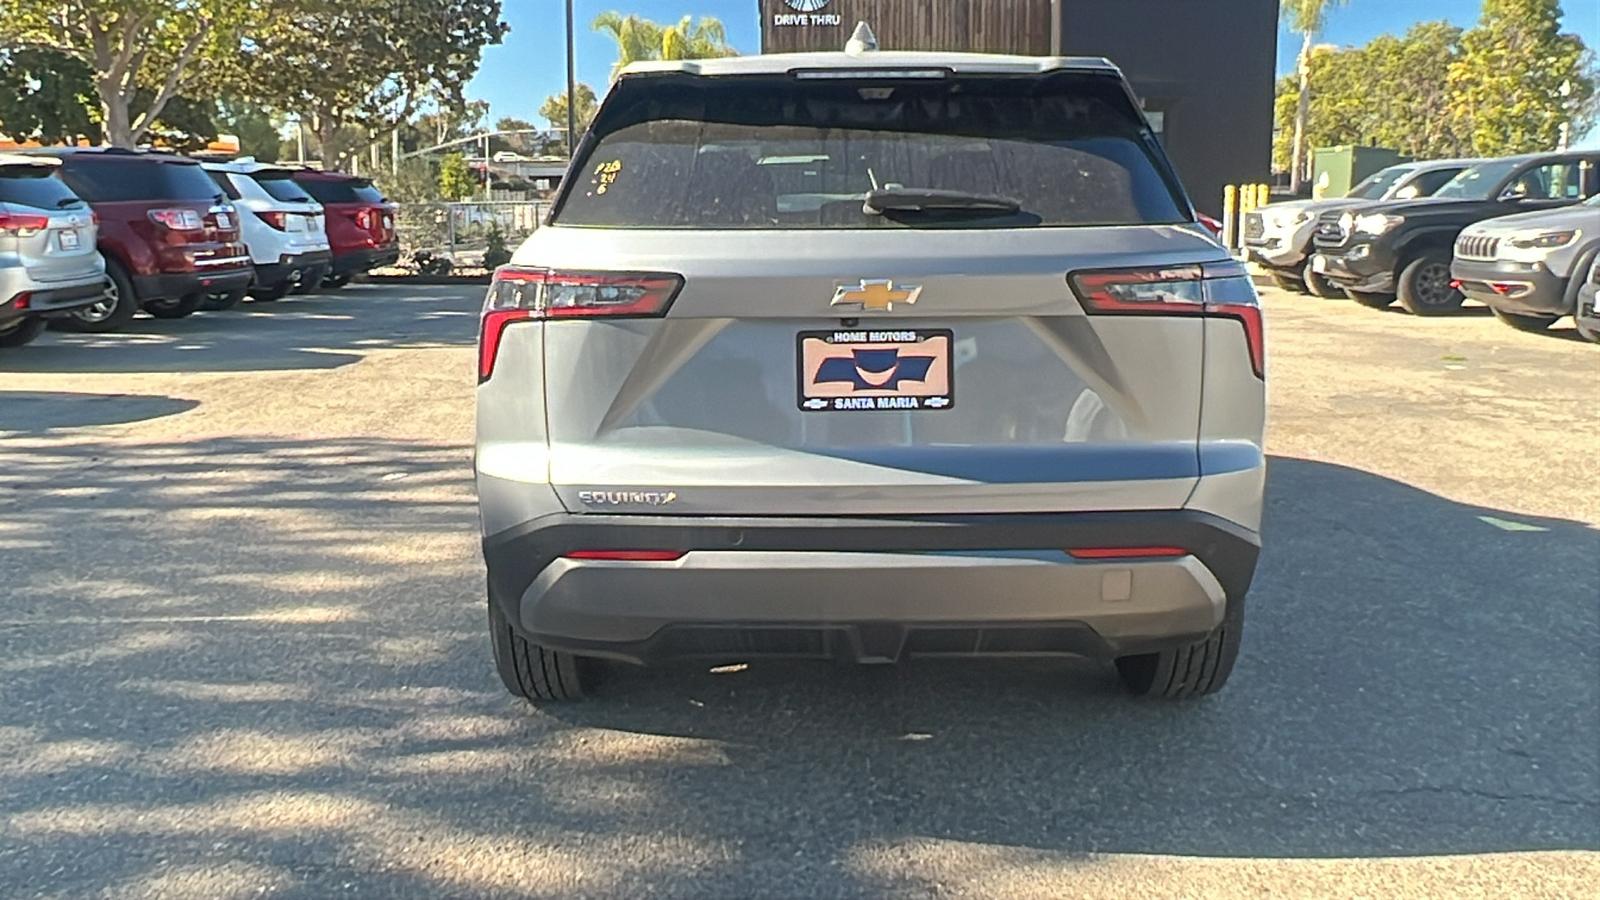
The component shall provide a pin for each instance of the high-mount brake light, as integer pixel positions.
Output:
(1212, 290)
(520, 294)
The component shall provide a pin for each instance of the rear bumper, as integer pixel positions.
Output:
(310, 265)
(355, 262)
(172, 285)
(872, 589)
(1525, 288)
(51, 302)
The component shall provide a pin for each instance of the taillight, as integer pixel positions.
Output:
(1220, 290)
(1126, 552)
(177, 219)
(277, 220)
(1211, 225)
(519, 294)
(94, 218)
(366, 218)
(23, 225)
(627, 555)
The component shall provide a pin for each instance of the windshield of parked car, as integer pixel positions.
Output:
(109, 179)
(1379, 183)
(1067, 149)
(35, 186)
(280, 185)
(341, 190)
(1478, 182)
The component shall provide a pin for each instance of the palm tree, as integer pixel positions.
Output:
(641, 39)
(1306, 18)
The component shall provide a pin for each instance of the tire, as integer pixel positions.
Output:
(1191, 671)
(25, 332)
(181, 308)
(1287, 281)
(1320, 286)
(269, 294)
(530, 671)
(1424, 285)
(1370, 300)
(1533, 324)
(1592, 335)
(217, 302)
(110, 314)
(1575, 279)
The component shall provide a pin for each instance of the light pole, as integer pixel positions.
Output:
(572, 117)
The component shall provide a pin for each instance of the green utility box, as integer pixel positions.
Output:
(1335, 170)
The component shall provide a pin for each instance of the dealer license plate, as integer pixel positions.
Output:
(68, 240)
(860, 370)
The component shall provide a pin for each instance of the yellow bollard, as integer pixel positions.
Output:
(1266, 194)
(1230, 215)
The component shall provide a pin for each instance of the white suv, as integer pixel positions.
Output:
(284, 228)
(48, 261)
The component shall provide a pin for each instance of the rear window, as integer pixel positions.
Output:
(781, 152)
(224, 182)
(282, 186)
(341, 190)
(35, 186)
(108, 180)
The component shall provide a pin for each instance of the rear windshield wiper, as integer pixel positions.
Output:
(901, 200)
(65, 202)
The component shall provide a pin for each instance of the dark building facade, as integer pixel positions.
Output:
(1203, 68)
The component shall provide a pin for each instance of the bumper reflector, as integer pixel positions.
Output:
(627, 555)
(1126, 552)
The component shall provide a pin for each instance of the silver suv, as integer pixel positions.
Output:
(870, 355)
(48, 261)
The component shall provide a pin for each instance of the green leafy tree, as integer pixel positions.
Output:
(48, 96)
(259, 132)
(1338, 115)
(516, 143)
(1306, 18)
(1519, 79)
(357, 69)
(1410, 99)
(456, 180)
(495, 253)
(143, 53)
(640, 39)
(554, 108)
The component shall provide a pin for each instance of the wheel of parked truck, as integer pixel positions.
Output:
(176, 308)
(24, 332)
(1371, 300)
(1533, 324)
(1424, 285)
(113, 311)
(334, 282)
(269, 294)
(1591, 335)
(222, 301)
(1190, 671)
(1287, 281)
(1320, 286)
(533, 672)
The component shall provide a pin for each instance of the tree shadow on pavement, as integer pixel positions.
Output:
(239, 664)
(32, 412)
(316, 331)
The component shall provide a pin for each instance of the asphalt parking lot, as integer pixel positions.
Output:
(243, 654)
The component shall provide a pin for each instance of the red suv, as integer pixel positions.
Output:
(360, 223)
(168, 236)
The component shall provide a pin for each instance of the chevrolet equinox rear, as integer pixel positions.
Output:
(870, 356)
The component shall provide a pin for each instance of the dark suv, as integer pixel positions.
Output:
(168, 237)
(360, 223)
(1403, 249)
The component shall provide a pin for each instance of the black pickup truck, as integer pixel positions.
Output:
(1403, 249)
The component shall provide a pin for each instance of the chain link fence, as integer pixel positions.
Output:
(459, 232)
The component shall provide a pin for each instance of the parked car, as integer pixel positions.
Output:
(1587, 314)
(167, 233)
(1008, 399)
(1528, 267)
(360, 223)
(48, 263)
(283, 227)
(1278, 236)
(1403, 248)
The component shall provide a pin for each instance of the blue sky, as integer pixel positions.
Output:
(516, 76)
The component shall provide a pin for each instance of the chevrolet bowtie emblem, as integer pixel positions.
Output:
(878, 294)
